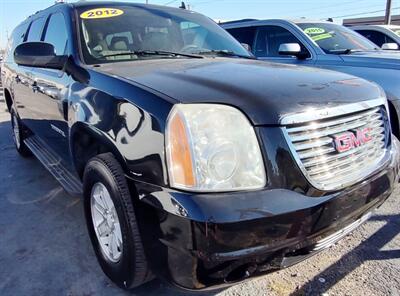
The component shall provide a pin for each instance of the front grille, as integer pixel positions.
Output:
(313, 146)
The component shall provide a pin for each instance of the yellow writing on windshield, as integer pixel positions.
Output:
(101, 13)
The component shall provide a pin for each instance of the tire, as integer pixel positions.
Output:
(19, 135)
(128, 268)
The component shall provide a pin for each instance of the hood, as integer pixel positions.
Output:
(265, 92)
(373, 59)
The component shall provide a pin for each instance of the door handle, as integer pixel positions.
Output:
(65, 109)
(17, 79)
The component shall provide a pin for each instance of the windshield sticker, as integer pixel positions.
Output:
(321, 37)
(98, 13)
(313, 31)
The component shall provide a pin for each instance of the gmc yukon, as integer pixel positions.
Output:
(195, 162)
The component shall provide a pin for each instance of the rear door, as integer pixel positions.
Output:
(10, 70)
(51, 90)
(23, 91)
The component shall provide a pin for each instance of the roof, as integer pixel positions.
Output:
(250, 22)
(80, 4)
(83, 3)
(376, 26)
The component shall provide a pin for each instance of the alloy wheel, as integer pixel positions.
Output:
(106, 223)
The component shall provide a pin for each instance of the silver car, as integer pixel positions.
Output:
(385, 36)
(325, 45)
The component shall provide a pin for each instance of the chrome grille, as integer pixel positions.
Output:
(313, 146)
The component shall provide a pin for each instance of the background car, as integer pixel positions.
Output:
(385, 36)
(325, 45)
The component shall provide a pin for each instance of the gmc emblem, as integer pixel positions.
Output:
(349, 140)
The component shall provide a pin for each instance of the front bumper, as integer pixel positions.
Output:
(210, 240)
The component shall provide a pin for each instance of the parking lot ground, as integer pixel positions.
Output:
(45, 250)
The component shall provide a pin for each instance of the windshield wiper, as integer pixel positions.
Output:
(344, 51)
(227, 53)
(152, 52)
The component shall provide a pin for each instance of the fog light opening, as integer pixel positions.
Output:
(240, 273)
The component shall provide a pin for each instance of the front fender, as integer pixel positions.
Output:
(135, 136)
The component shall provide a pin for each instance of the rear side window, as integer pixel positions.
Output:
(17, 37)
(36, 29)
(244, 35)
(56, 33)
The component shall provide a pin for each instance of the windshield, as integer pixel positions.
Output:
(108, 33)
(333, 38)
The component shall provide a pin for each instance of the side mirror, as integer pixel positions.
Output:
(39, 55)
(246, 46)
(390, 46)
(291, 49)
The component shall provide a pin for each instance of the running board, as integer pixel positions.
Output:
(54, 165)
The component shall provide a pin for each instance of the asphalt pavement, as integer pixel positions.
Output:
(45, 249)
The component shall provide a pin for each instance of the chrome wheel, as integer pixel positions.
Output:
(106, 223)
(16, 134)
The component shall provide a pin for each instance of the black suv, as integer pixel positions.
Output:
(195, 161)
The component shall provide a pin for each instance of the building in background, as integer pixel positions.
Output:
(378, 20)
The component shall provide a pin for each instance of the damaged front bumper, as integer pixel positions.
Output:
(205, 241)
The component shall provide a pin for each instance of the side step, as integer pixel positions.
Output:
(54, 165)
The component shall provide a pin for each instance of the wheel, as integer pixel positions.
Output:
(111, 223)
(19, 135)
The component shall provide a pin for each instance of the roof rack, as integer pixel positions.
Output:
(56, 3)
(238, 21)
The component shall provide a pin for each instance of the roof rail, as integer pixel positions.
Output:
(56, 3)
(238, 21)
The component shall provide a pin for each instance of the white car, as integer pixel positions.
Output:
(385, 36)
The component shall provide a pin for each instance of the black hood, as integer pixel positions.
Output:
(264, 91)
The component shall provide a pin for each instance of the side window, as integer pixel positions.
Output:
(269, 38)
(244, 35)
(36, 29)
(17, 37)
(376, 37)
(56, 33)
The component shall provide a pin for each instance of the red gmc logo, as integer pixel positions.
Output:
(349, 140)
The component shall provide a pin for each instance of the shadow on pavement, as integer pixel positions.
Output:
(370, 249)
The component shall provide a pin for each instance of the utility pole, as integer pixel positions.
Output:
(388, 15)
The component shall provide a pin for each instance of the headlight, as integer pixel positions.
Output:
(212, 147)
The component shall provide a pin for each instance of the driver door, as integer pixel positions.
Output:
(51, 91)
(268, 40)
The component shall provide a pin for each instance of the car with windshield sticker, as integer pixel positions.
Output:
(194, 161)
(323, 45)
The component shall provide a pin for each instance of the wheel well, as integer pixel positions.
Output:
(394, 120)
(84, 146)
(8, 98)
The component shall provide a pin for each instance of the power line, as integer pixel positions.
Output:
(363, 13)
